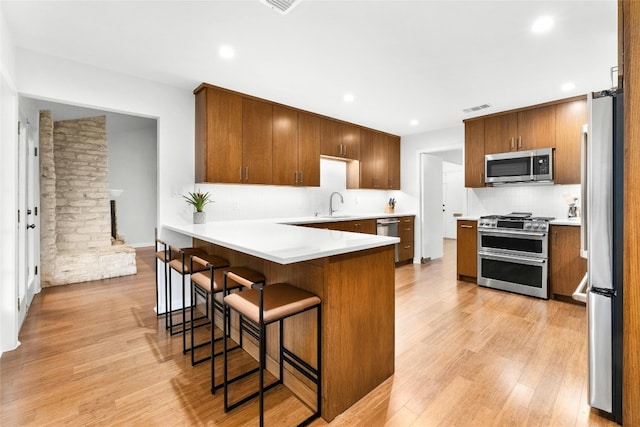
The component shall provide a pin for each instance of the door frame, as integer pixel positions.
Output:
(432, 151)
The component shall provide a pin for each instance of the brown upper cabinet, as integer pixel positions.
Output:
(257, 142)
(557, 125)
(474, 153)
(340, 140)
(379, 166)
(523, 130)
(374, 155)
(244, 139)
(570, 117)
(296, 147)
(218, 136)
(393, 172)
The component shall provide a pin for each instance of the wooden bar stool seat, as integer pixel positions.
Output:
(260, 305)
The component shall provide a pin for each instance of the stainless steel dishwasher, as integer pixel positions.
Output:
(388, 227)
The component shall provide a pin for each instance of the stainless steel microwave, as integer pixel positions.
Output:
(519, 166)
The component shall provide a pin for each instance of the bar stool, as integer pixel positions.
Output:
(260, 305)
(162, 255)
(180, 262)
(208, 284)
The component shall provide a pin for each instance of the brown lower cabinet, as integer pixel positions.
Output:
(566, 268)
(405, 232)
(467, 247)
(367, 226)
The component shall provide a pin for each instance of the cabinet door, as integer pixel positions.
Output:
(405, 229)
(405, 232)
(368, 172)
(567, 268)
(257, 131)
(350, 141)
(474, 143)
(570, 117)
(367, 226)
(537, 128)
(500, 133)
(219, 131)
(393, 163)
(309, 137)
(331, 138)
(467, 250)
(285, 146)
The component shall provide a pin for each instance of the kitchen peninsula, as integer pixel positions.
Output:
(353, 274)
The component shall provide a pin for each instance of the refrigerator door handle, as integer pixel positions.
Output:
(580, 294)
(584, 191)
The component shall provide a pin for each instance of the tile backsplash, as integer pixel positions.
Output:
(541, 200)
(241, 201)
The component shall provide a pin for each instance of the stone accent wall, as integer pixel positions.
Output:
(47, 200)
(82, 195)
(76, 244)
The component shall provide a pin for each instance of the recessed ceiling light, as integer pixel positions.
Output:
(542, 24)
(568, 86)
(349, 97)
(226, 52)
(414, 122)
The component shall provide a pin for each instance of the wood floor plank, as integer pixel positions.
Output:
(95, 354)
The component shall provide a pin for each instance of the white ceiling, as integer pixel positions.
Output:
(403, 60)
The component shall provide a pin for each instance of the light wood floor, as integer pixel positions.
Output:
(95, 354)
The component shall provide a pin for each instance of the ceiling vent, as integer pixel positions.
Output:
(282, 6)
(476, 108)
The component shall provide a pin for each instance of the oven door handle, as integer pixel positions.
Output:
(509, 233)
(498, 257)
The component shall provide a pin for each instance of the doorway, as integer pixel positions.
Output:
(441, 196)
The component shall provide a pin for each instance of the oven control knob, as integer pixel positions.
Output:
(527, 225)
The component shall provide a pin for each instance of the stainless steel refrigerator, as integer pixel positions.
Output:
(602, 245)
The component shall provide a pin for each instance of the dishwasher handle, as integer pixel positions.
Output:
(385, 222)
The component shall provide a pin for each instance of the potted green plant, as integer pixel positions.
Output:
(198, 200)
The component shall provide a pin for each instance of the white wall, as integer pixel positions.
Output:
(8, 191)
(132, 167)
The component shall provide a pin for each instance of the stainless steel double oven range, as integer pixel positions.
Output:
(513, 253)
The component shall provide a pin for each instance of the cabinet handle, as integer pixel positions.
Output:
(407, 229)
(295, 177)
(345, 150)
(512, 143)
(466, 226)
(407, 247)
(519, 142)
(246, 173)
(240, 173)
(340, 146)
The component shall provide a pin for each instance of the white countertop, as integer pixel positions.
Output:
(567, 221)
(276, 241)
(338, 217)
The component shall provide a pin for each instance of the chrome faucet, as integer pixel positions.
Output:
(331, 210)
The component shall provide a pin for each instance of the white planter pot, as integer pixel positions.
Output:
(199, 217)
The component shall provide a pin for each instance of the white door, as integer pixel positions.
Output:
(28, 221)
(431, 209)
(22, 223)
(453, 197)
(33, 217)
